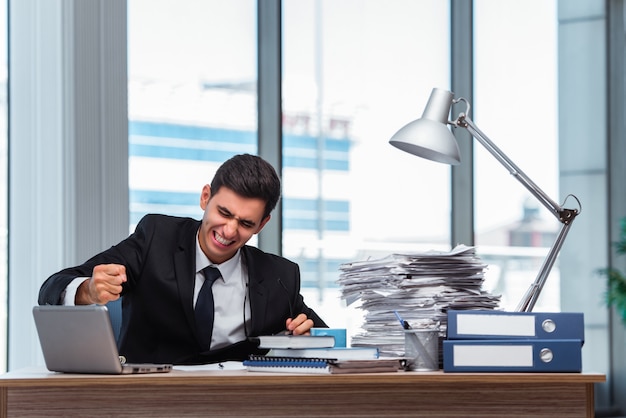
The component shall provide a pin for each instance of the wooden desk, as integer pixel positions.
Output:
(36, 392)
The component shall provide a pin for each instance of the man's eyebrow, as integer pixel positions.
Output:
(223, 209)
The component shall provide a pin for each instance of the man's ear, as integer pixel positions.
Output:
(205, 195)
(263, 222)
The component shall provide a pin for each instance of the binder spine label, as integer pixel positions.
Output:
(493, 355)
(496, 325)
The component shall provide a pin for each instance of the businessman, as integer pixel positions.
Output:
(168, 316)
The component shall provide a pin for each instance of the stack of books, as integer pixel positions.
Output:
(316, 354)
(497, 341)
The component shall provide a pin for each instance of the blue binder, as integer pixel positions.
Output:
(514, 355)
(490, 324)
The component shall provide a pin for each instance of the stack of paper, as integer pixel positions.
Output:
(421, 287)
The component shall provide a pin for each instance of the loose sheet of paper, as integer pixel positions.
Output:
(226, 365)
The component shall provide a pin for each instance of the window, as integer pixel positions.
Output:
(192, 98)
(4, 181)
(354, 73)
(515, 97)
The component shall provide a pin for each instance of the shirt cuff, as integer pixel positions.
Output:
(69, 296)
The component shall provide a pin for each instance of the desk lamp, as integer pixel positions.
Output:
(430, 138)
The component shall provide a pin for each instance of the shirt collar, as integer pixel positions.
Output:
(226, 268)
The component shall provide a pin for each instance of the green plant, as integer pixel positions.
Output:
(616, 281)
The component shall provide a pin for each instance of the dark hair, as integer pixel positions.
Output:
(249, 176)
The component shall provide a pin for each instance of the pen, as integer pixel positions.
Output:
(404, 324)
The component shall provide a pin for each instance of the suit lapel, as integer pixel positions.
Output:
(185, 268)
(258, 291)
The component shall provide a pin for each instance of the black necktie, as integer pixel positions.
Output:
(205, 308)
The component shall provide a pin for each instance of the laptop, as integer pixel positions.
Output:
(79, 339)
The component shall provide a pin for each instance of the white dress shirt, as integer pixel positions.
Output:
(230, 295)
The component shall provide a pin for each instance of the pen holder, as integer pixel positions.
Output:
(421, 349)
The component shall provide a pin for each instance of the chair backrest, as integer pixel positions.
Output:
(115, 312)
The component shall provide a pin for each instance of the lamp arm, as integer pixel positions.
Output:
(532, 294)
(565, 216)
(467, 123)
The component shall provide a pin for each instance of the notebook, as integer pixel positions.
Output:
(260, 363)
(79, 339)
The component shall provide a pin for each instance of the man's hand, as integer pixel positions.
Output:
(300, 325)
(105, 285)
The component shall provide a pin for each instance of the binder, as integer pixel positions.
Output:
(515, 355)
(490, 324)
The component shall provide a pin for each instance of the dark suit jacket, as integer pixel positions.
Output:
(158, 322)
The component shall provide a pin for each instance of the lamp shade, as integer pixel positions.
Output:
(429, 137)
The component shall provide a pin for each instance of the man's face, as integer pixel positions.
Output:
(229, 221)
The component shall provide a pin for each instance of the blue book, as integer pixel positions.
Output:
(490, 324)
(513, 355)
